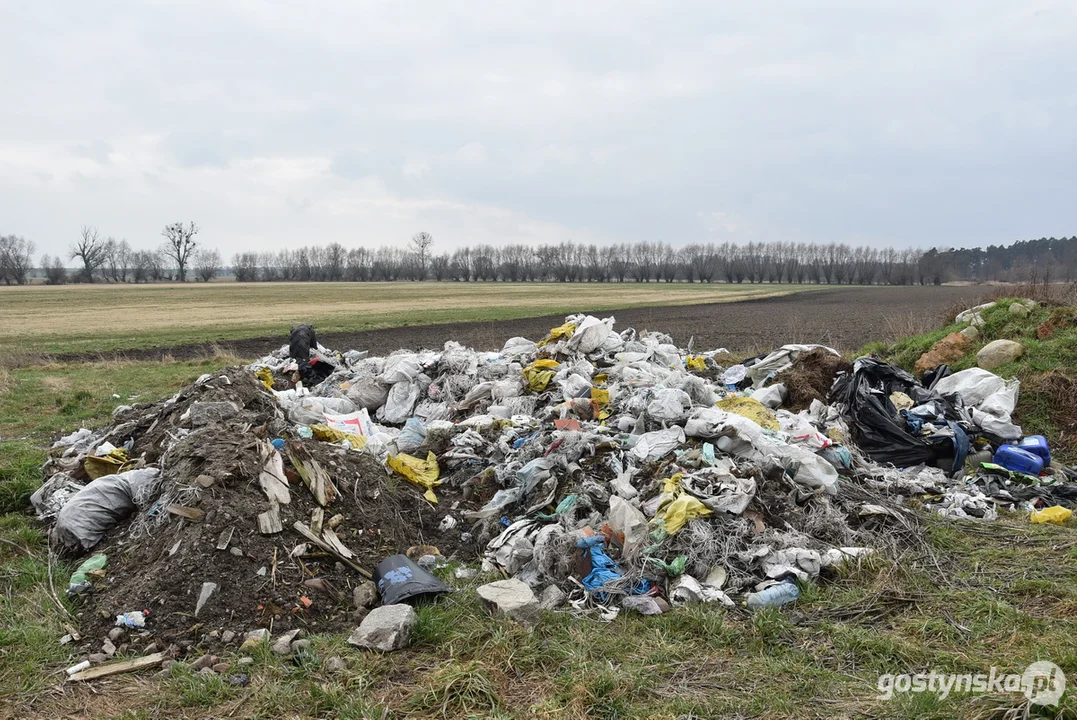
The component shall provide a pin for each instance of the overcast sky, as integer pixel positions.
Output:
(275, 124)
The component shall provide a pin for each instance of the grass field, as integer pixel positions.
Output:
(74, 318)
(977, 596)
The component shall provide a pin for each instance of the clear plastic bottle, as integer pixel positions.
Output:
(774, 596)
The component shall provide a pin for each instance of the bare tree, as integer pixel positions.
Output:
(90, 250)
(118, 259)
(207, 263)
(245, 266)
(180, 246)
(16, 258)
(55, 272)
(422, 242)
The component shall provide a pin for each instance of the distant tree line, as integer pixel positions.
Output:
(181, 257)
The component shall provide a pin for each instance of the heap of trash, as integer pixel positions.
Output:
(591, 470)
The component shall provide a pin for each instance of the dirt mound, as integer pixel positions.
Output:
(203, 527)
(810, 378)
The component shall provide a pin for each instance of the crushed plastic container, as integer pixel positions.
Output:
(774, 596)
(1015, 459)
(1037, 445)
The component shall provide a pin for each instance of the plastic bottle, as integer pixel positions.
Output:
(774, 596)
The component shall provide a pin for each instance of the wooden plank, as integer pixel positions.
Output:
(225, 538)
(269, 521)
(331, 538)
(305, 532)
(190, 513)
(146, 661)
(317, 518)
(314, 477)
(272, 478)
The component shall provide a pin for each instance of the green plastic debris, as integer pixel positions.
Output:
(674, 568)
(80, 579)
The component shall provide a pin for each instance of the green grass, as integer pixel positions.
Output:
(40, 319)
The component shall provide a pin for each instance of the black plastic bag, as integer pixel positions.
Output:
(399, 579)
(863, 398)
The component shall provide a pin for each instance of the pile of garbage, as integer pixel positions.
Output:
(601, 470)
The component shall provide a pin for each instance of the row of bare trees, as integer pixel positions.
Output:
(16, 259)
(110, 260)
(775, 262)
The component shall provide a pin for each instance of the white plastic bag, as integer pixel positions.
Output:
(401, 401)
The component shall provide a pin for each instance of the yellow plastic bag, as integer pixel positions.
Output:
(561, 332)
(98, 467)
(539, 374)
(1055, 515)
(601, 396)
(695, 363)
(328, 434)
(423, 473)
(751, 409)
(266, 376)
(682, 507)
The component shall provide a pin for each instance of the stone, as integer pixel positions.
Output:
(227, 636)
(643, 604)
(222, 667)
(283, 644)
(1019, 310)
(205, 661)
(205, 480)
(365, 595)
(978, 321)
(208, 588)
(386, 628)
(969, 314)
(206, 671)
(108, 648)
(97, 658)
(510, 598)
(335, 665)
(244, 661)
(254, 639)
(235, 551)
(950, 349)
(239, 680)
(300, 646)
(552, 598)
(971, 333)
(427, 562)
(999, 352)
(151, 649)
(116, 634)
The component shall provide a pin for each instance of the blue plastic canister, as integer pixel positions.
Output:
(1037, 445)
(1015, 459)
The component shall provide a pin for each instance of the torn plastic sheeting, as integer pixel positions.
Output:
(628, 521)
(101, 505)
(266, 376)
(356, 423)
(575, 386)
(513, 548)
(678, 507)
(80, 579)
(669, 405)
(695, 363)
(53, 495)
(771, 396)
(420, 472)
(538, 374)
(561, 332)
(991, 399)
(801, 562)
(653, 445)
(368, 395)
(1055, 515)
(400, 402)
(687, 590)
(527, 479)
(603, 569)
(333, 435)
(413, 435)
(590, 334)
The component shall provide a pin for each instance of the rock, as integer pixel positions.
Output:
(969, 314)
(97, 658)
(1019, 310)
(167, 664)
(662, 604)
(427, 562)
(386, 628)
(510, 598)
(365, 595)
(239, 680)
(66, 639)
(227, 636)
(951, 348)
(283, 644)
(206, 671)
(978, 321)
(999, 353)
(244, 661)
(300, 646)
(116, 634)
(108, 648)
(205, 480)
(208, 588)
(205, 661)
(222, 667)
(643, 604)
(235, 551)
(254, 639)
(971, 333)
(335, 665)
(151, 649)
(553, 597)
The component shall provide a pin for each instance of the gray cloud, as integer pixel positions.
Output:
(270, 124)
